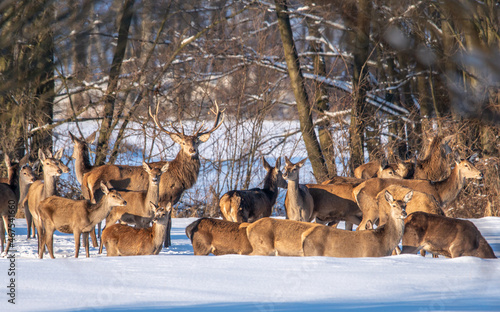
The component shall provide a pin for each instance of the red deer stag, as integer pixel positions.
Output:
(277, 237)
(41, 189)
(331, 242)
(443, 191)
(299, 203)
(124, 240)
(444, 236)
(251, 205)
(73, 216)
(219, 237)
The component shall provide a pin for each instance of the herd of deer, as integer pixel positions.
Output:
(404, 200)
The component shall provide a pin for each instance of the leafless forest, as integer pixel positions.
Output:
(382, 75)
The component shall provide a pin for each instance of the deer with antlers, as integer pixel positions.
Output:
(180, 176)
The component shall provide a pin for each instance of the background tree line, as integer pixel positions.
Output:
(365, 79)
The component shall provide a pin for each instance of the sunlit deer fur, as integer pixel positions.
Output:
(434, 164)
(299, 204)
(124, 240)
(41, 189)
(444, 236)
(73, 216)
(256, 203)
(277, 237)
(331, 242)
(219, 237)
(380, 169)
(444, 191)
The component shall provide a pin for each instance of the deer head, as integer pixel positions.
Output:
(52, 164)
(292, 170)
(114, 198)
(161, 215)
(81, 144)
(189, 143)
(398, 207)
(155, 173)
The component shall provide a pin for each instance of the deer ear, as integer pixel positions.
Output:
(176, 138)
(287, 161)
(59, 153)
(165, 167)
(278, 163)
(146, 167)
(302, 162)
(73, 138)
(204, 137)
(389, 197)
(369, 225)
(41, 155)
(265, 164)
(91, 137)
(153, 206)
(408, 196)
(104, 188)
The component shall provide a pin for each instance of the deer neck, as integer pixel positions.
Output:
(180, 176)
(159, 232)
(82, 164)
(392, 233)
(49, 185)
(153, 194)
(99, 211)
(271, 187)
(23, 189)
(293, 192)
(449, 188)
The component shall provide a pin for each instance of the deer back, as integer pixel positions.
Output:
(218, 237)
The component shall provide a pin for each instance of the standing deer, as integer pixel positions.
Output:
(138, 212)
(124, 240)
(73, 216)
(81, 155)
(251, 205)
(444, 236)
(277, 237)
(331, 242)
(443, 191)
(299, 203)
(180, 176)
(8, 208)
(26, 178)
(41, 189)
(219, 237)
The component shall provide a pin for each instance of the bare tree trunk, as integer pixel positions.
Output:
(361, 53)
(322, 104)
(297, 82)
(112, 90)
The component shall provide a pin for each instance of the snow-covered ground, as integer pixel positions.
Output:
(177, 280)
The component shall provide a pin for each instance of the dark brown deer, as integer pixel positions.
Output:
(41, 189)
(443, 191)
(299, 204)
(331, 242)
(124, 240)
(444, 236)
(434, 164)
(219, 237)
(73, 216)
(8, 209)
(251, 205)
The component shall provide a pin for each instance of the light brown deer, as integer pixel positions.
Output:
(26, 178)
(380, 169)
(124, 240)
(334, 203)
(73, 216)
(299, 204)
(444, 236)
(434, 164)
(443, 191)
(219, 237)
(331, 242)
(81, 155)
(41, 189)
(277, 237)
(251, 205)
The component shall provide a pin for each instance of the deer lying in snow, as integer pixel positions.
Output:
(444, 236)
(73, 216)
(256, 203)
(331, 242)
(219, 237)
(124, 240)
(299, 203)
(277, 237)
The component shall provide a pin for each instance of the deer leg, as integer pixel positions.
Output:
(29, 222)
(86, 239)
(94, 239)
(77, 242)
(49, 241)
(2, 233)
(167, 236)
(99, 225)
